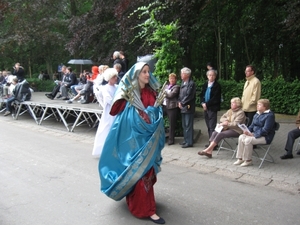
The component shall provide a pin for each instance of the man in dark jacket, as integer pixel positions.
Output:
(186, 103)
(69, 81)
(19, 72)
(210, 99)
(21, 93)
(58, 84)
(117, 59)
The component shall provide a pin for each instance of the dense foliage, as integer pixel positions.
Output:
(40, 34)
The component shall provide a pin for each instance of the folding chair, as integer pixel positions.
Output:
(70, 93)
(297, 145)
(266, 148)
(229, 142)
(2, 100)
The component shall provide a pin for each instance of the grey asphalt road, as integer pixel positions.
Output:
(48, 178)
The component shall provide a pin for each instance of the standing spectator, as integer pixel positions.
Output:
(251, 93)
(125, 61)
(210, 99)
(107, 94)
(170, 105)
(19, 72)
(117, 59)
(210, 66)
(46, 76)
(4, 78)
(291, 137)
(132, 150)
(99, 81)
(55, 76)
(186, 103)
(41, 75)
(118, 67)
(1, 77)
(261, 131)
(3, 84)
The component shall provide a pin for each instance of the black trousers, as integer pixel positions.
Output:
(292, 136)
(250, 115)
(211, 118)
(172, 117)
(55, 90)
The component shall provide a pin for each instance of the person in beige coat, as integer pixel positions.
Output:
(228, 126)
(251, 93)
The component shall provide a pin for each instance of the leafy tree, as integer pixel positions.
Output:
(167, 49)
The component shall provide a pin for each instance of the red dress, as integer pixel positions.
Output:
(140, 200)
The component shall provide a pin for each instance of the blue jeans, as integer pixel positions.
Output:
(73, 89)
(188, 127)
(9, 102)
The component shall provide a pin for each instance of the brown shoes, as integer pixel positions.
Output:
(205, 153)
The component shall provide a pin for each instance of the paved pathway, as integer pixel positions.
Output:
(283, 174)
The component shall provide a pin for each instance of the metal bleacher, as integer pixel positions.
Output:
(72, 115)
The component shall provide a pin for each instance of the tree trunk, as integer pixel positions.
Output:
(29, 67)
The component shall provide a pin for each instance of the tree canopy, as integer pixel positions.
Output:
(230, 33)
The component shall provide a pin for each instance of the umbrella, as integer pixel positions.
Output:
(81, 62)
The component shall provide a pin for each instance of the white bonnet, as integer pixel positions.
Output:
(110, 73)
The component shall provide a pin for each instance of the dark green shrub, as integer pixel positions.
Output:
(284, 96)
(41, 85)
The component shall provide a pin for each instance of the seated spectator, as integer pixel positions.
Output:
(229, 121)
(69, 80)
(21, 93)
(81, 82)
(77, 88)
(9, 86)
(58, 84)
(88, 87)
(261, 131)
(291, 137)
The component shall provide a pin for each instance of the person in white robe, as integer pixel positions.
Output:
(107, 95)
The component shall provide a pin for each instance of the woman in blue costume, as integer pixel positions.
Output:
(131, 154)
